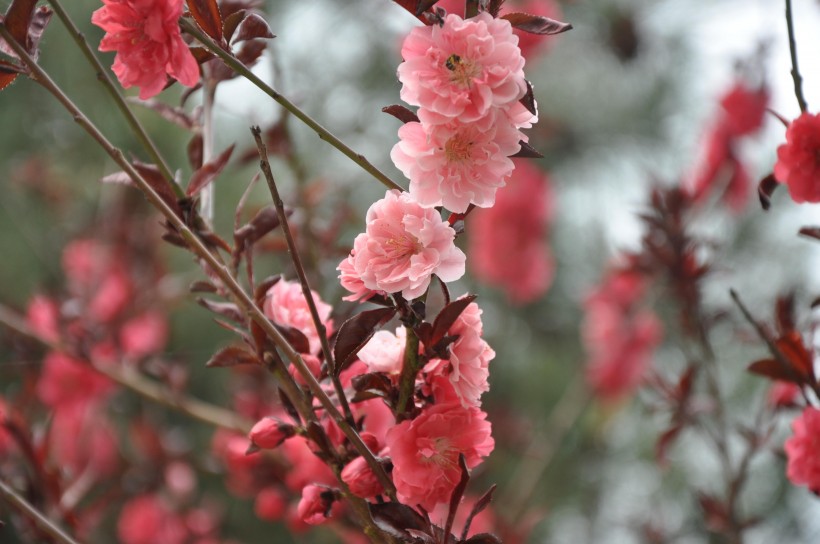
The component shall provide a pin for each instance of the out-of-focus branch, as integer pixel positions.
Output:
(38, 518)
(798, 79)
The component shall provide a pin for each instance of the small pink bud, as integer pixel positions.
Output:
(360, 479)
(268, 433)
(371, 441)
(314, 507)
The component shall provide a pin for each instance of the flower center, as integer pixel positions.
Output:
(457, 148)
(462, 71)
(435, 450)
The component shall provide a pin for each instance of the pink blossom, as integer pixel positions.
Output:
(145, 34)
(456, 164)
(360, 479)
(508, 241)
(425, 451)
(65, 381)
(111, 296)
(146, 519)
(6, 439)
(270, 504)
(144, 334)
(306, 467)
(269, 432)
(351, 281)
(384, 352)
(798, 160)
(82, 439)
(783, 394)
(470, 357)
(43, 316)
(803, 450)
(403, 245)
(315, 505)
(461, 69)
(619, 338)
(286, 305)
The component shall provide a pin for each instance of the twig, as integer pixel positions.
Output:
(409, 370)
(38, 518)
(131, 379)
(198, 247)
(323, 133)
(113, 90)
(798, 79)
(321, 330)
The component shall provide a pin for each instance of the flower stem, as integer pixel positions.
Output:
(321, 330)
(409, 369)
(113, 90)
(38, 518)
(798, 79)
(323, 133)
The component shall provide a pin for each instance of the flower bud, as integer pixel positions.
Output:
(360, 479)
(314, 507)
(268, 433)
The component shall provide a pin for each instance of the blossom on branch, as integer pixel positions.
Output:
(803, 450)
(798, 160)
(403, 245)
(145, 34)
(285, 304)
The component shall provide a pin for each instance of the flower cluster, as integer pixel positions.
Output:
(798, 162)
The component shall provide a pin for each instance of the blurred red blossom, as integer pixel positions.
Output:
(803, 450)
(146, 36)
(798, 160)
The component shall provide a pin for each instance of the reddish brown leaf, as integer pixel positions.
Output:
(177, 116)
(262, 223)
(527, 152)
(784, 313)
(447, 316)
(295, 338)
(424, 5)
(479, 506)
(355, 333)
(394, 519)
(483, 538)
(232, 356)
(374, 384)
(456, 495)
(773, 369)
(251, 51)
(253, 27)
(202, 286)
(17, 20)
(664, 442)
(401, 113)
(231, 23)
(195, 150)
(765, 190)
(207, 16)
(792, 347)
(810, 232)
(209, 171)
(227, 310)
(151, 174)
(528, 100)
(535, 24)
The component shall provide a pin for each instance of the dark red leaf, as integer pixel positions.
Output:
(355, 333)
(253, 27)
(209, 171)
(207, 16)
(373, 384)
(447, 316)
(456, 495)
(17, 20)
(228, 310)
(483, 538)
(295, 338)
(401, 113)
(394, 519)
(528, 100)
(536, 24)
(151, 174)
(810, 232)
(784, 313)
(775, 370)
(195, 150)
(478, 507)
(251, 51)
(231, 23)
(202, 286)
(664, 442)
(527, 152)
(232, 356)
(792, 347)
(494, 7)
(424, 5)
(177, 116)
(765, 190)
(262, 223)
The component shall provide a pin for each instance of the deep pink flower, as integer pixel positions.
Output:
(316, 503)
(360, 479)
(384, 352)
(798, 160)
(470, 357)
(146, 519)
(457, 164)
(82, 440)
(461, 69)
(803, 450)
(744, 109)
(145, 334)
(269, 432)
(425, 451)
(783, 394)
(145, 34)
(286, 305)
(43, 316)
(306, 468)
(619, 337)
(270, 504)
(508, 241)
(403, 245)
(65, 381)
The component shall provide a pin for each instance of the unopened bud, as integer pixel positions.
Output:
(268, 433)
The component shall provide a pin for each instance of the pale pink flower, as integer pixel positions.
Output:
(145, 34)
(508, 242)
(403, 245)
(425, 451)
(461, 69)
(384, 352)
(619, 337)
(470, 357)
(803, 450)
(286, 305)
(351, 281)
(457, 164)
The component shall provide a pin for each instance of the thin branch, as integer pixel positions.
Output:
(409, 370)
(148, 389)
(113, 90)
(321, 330)
(38, 518)
(206, 202)
(798, 79)
(233, 63)
(198, 247)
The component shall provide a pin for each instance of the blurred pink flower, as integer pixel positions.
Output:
(65, 381)
(798, 160)
(43, 316)
(425, 451)
(461, 69)
(286, 305)
(145, 334)
(803, 450)
(508, 241)
(618, 337)
(457, 164)
(146, 519)
(145, 34)
(403, 246)
(783, 394)
(82, 440)
(270, 504)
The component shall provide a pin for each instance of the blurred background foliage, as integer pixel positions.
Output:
(624, 99)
